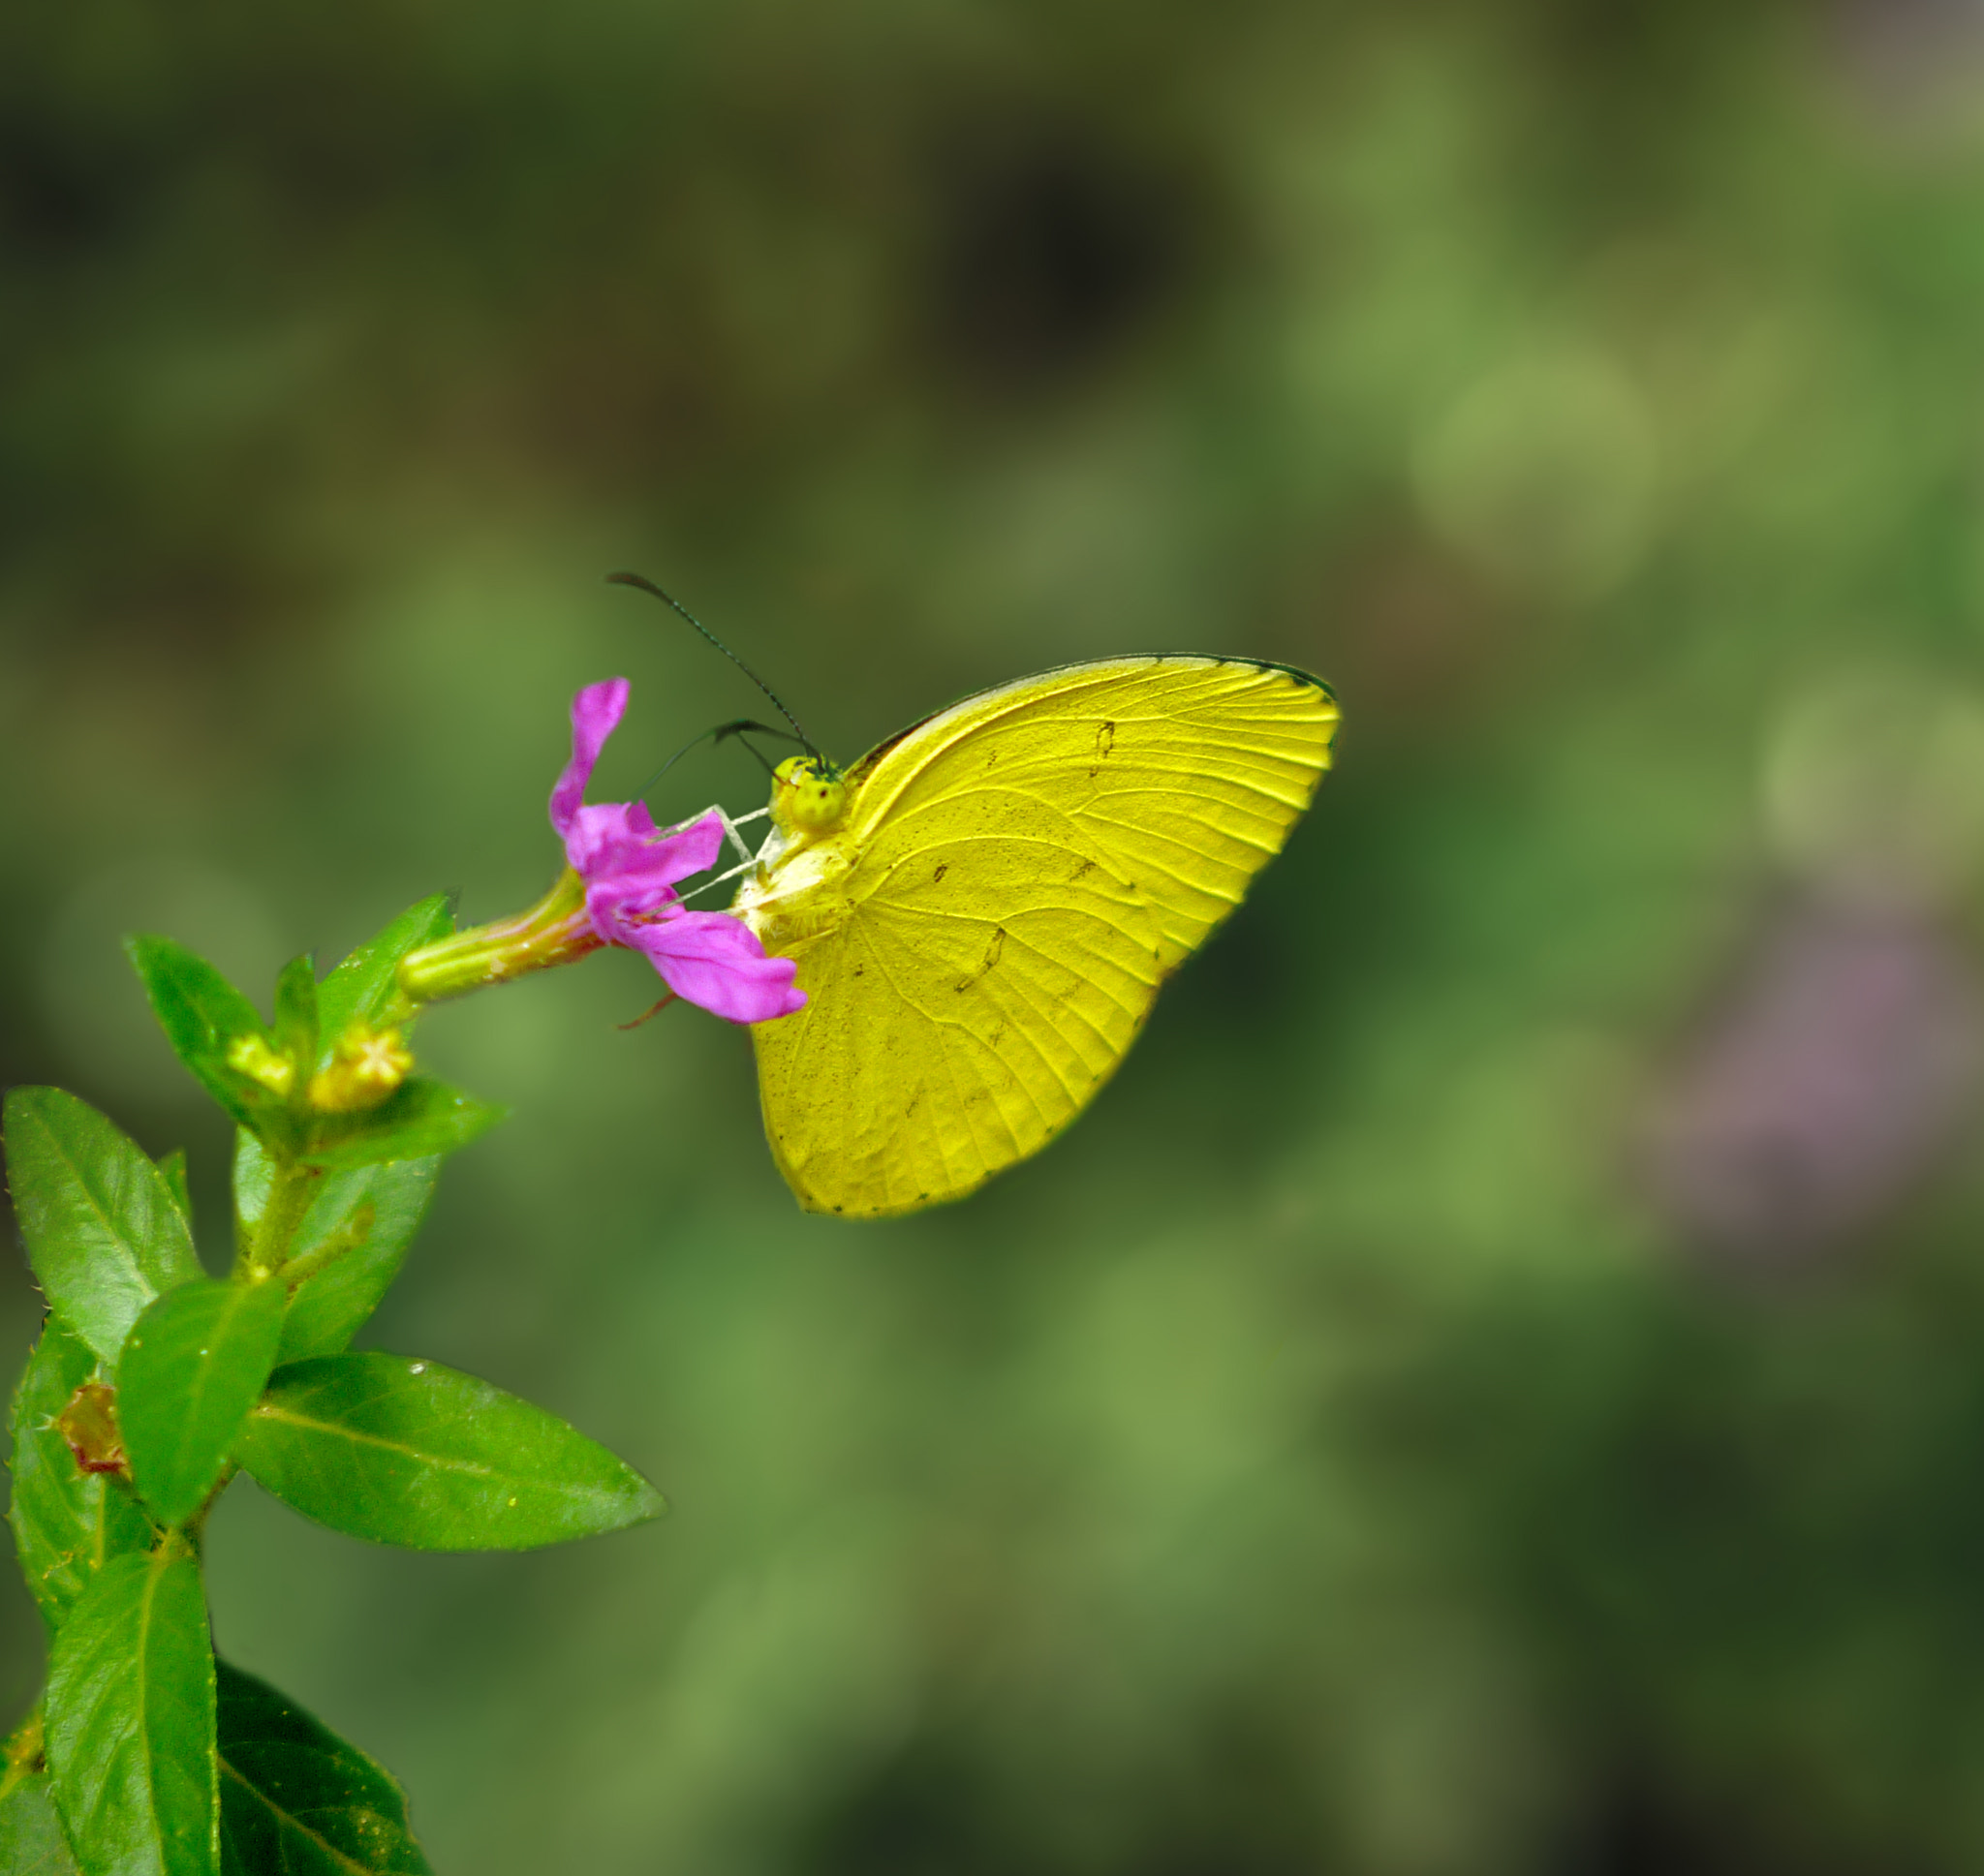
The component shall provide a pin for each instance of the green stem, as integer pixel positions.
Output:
(340, 1244)
(291, 1189)
(555, 931)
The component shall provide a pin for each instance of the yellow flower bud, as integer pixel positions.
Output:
(369, 1066)
(251, 1056)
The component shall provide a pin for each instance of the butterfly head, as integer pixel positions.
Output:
(809, 795)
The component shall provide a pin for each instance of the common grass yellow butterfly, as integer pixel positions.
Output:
(983, 909)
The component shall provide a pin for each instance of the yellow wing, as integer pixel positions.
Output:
(983, 935)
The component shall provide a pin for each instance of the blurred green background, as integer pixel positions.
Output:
(1497, 1384)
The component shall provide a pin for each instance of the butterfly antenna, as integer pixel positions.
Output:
(647, 585)
(717, 735)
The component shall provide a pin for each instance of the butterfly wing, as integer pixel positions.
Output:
(1014, 879)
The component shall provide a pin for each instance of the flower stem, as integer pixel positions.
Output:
(299, 1271)
(556, 930)
(291, 1189)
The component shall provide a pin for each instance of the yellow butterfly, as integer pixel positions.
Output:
(983, 908)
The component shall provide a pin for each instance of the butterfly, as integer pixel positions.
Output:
(983, 908)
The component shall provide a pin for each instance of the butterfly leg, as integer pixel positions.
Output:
(731, 826)
(737, 841)
(718, 878)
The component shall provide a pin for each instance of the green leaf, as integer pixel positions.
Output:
(192, 1369)
(172, 1170)
(23, 1756)
(348, 1250)
(254, 1178)
(131, 1721)
(202, 1013)
(296, 1798)
(67, 1523)
(31, 1840)
(103, 1232)
(364, 987)
(420, 1120)
(408, 1452)
(296, 1014)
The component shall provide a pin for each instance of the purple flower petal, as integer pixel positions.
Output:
(629, 869)
(693, 849)
(712, 959)
(602, 838)
(596, 713)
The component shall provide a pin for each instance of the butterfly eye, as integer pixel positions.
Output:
(807, 796)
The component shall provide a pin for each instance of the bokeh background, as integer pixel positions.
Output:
(1497, 1384)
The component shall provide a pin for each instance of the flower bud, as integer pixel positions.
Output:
(367, 1066)
(251, 1056)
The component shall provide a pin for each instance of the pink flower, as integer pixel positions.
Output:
(630, 868)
